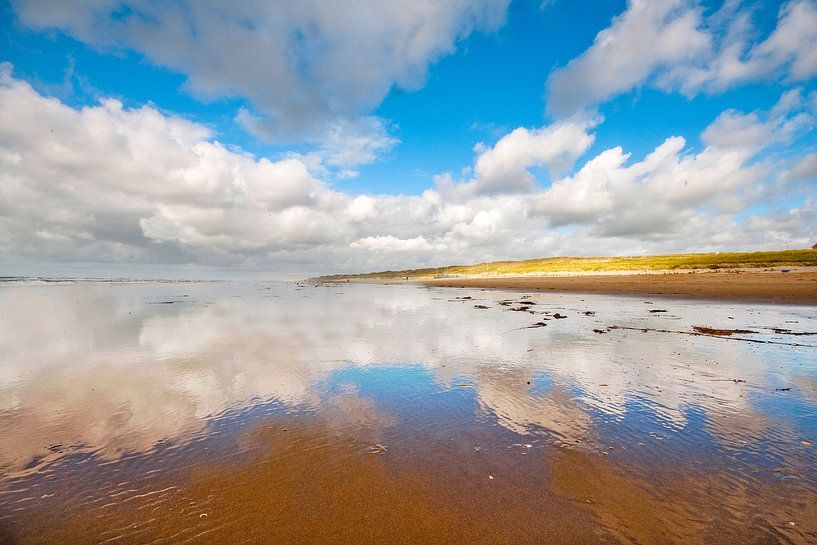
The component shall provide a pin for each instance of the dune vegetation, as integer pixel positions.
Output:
(550, 265)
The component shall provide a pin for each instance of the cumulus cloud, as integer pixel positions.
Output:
(673, 45)
(309, 68)
(791, 117)
(666, 190)
(125, 186)
(389, 243)
(504, 168)
(110, 178)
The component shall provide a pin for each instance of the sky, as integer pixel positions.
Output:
(280, 139)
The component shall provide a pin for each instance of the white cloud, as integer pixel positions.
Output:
(805, 169)
(388, 243)
(649, 35)
(791, 117)
(505, 167)
(649, 197)
(658, 195)
(344, 143)
(672, 45)
(311, 69)
(793, 42)
(111, 176)
(128, 187)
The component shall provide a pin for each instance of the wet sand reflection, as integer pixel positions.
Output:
(263, 413)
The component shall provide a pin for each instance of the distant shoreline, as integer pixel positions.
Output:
(798, 286)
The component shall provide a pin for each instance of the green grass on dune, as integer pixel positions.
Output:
(602, 264)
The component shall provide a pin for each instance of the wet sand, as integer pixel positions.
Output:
(279, 413)
(305, 484)
(795, 287)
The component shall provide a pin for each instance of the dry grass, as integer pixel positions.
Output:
(604, 264)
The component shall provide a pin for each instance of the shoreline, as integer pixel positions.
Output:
(799, 286)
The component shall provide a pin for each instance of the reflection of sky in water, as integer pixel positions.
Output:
(114, 369)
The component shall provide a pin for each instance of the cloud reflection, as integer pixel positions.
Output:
(102, 368)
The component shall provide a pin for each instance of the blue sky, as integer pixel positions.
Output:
(468, 130)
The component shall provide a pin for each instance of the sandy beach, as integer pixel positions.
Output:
(799, 286)
(276, 412)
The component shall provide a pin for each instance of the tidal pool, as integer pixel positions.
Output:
(237, 412)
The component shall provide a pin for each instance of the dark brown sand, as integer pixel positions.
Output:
(306, 485)
(796, 287)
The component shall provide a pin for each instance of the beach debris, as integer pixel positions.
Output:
(601, 331)
(784, 331)
(656, 310)
(378, 449)
(203, 515)
(491, 477)
(532, 326)
(719, 332)
(559, 316)
(520, 304)
(806, 443)
(787, 389)
(465, 385)
(589, 312)
(481, 307)
(703, 334)
(465, 298)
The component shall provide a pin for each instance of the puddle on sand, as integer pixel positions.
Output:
(258, 413)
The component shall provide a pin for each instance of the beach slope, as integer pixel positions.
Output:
(798, 286)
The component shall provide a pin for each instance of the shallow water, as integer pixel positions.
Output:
(282, 413)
